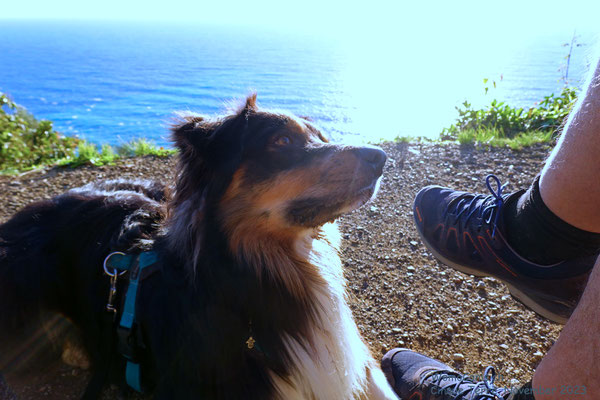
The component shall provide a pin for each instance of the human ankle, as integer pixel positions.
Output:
(539, 235)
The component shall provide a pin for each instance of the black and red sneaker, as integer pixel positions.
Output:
(465, 232)
(414, 376)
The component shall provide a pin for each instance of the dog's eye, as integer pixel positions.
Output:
(282, 141)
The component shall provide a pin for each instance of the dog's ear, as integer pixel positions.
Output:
(190, 133)
(249, 106)
(194, 133)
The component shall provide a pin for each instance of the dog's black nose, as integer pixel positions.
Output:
(372, 155)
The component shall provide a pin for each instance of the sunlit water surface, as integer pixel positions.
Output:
(110, 82)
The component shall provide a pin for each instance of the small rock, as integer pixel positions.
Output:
(537, 356)
(458, 357)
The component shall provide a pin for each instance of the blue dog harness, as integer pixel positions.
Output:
(139, 267)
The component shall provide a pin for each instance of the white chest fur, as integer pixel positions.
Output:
(338, 365)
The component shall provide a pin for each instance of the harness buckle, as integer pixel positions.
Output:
(127, 342)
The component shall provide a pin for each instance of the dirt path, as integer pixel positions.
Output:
(400, 295)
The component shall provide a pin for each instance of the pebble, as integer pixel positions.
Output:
(537, 356)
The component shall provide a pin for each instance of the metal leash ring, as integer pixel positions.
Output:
(114, 272)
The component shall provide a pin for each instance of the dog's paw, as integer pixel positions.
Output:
(74, 355)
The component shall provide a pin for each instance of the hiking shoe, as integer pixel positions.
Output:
(465, 232)
(414, 376)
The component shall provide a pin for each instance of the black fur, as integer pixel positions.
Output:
(196, 313)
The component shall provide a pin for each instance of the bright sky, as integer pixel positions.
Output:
(370, 25)
(496, 18)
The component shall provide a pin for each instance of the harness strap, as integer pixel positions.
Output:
(135, 264)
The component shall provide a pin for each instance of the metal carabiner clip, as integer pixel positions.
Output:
(114, 270)
(113, 283)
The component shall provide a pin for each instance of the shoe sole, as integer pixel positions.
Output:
(516, 293)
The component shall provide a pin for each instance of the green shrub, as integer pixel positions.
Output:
(87, 153)
(509, 122)
(108, 155)
(26, 142)
(403, 139)
(142, 147)
(494, 138)
(466, 137)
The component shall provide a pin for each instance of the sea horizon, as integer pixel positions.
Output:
(109, 82)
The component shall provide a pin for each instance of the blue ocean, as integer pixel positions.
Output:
(109, 82)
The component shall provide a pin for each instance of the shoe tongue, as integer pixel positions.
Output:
(509, 201)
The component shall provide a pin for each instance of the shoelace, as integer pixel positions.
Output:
(487, 389)
(487, 209)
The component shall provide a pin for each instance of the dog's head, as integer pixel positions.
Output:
(272, 173)
(266, 182)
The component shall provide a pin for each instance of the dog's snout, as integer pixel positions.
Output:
(373, 156)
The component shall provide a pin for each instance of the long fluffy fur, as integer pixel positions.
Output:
(245, 250)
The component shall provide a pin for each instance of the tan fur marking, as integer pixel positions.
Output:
(265, 241)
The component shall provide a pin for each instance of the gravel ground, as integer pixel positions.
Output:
(400, 295)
